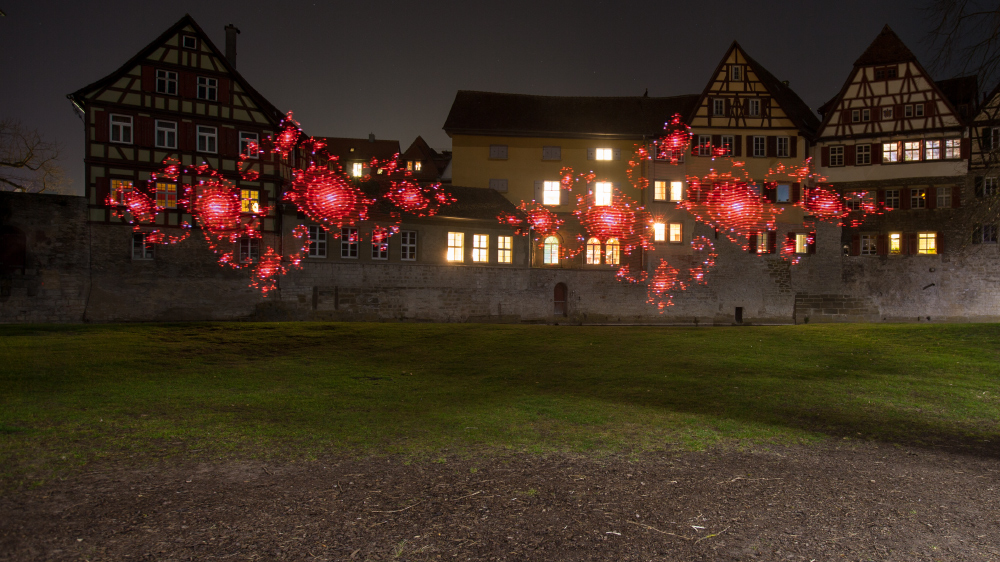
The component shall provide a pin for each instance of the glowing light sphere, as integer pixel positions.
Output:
(675, 140)
(539, 219)
(825, 204)
(217, 208)
(327, 197)
(286, 141)
(264, 274)
(662, 285)
(416, 199)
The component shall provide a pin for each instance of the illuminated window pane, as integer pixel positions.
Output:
(456, 244)
(953, 148)
(889, 152)
(481, 247)
(676, 191)
(676, 234)
(250, 144)
(550, 250)
(911, 151)
(612, 252)
(249, 201)
(659, 232)
(551, 193)
(166, 195)
(604, 154)
(927, 243)
(357, 169)
(504, 249)
(119, 189)
(801, 243)
(602, 193)
(918, 198)
(593, 251)
(895, 243)
(659, 191)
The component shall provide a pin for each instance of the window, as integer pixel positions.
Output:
(603, 154)
(837, 155)
(801, 243)
(498, 185)
(953, 148)
(456, 246)
(985, 234)
(142, 248)
(927, 242)
(907, 110)
(408, 245)
(166, 195)
(504, 248)
(727, 143)
(498, 151)
(869, 244)
(989, 186)
(918, 198)
(349, 243)
(759, 147)
(918, 110)
(481, 247)
(886, 72)
(593, 256)
(189, 42)
(990, 138)
(207, 137)
(119, 190)
(783, 193)
(249, 201)
(166, 82)
(886, 113)
(659, 232)
(550, 250)
(753, 107)
(862, 154)
(612, 252)
(249, 249)
(417, 165)
(380, 246)
(892, 199)
(735, 73)
(852, 201)
(890, 152)
(551, 153)
(704, 145)
(783, 147)
(121, 129)
(317, 242)
(932, 150)
(944, 197)
(659, 190)
(895, 243)
(551, 193)
(166, 134)
(207, 88)
(676, 233)
(911, 151)
(855, 115)
(676, 191)
(250, 144)
(602, 193)
(718, 106)
(866, 114)
(357, 169)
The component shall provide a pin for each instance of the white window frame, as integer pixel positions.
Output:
(166, 134)
(932, 149)
(952, 149)
(944, 197)
(891, 199)
(317, 242)
(141, 249)
(208, 139)
(408, 245)
(753, 107)
(456, 247)
(911, 151)
(908, 110)
(550, 250)
(247, 137)
(836, 156)
(866, 114)
(121, 128)
(481, 248)
(249, 249)
(612, 252)
(380, 250)
(786, 150)
(592, 254)
(675, 233)
(890, 156)
(676, 191)
(551, 193)
(864, 150)
(918, 198)
(166, 82)
(869, 245)
(659, 232)
(349, 243)
(728, 141)
(704, 145)
(604, 154)
(185, 39)
(718, 107)
(736, 73)
(918, 110)
(208, 88)
(660, 190)
(759, 144)
(505, 249)
(357, 169)
(855, 116)
(852, 201)
(603, 193)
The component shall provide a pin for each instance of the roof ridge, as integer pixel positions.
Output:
(886, 48)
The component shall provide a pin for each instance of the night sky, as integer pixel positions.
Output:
(392, 68)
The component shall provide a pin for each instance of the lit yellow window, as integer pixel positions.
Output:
(927, 243)
(676, 234)
(550, 195)
(604, 154)
(895, 243)
(612, 252)
(119, 190)
(409, 165)
(456, 241)
(593, 251)
(481, 247)
(676, 191)
(249, 201)
(504, 247)
(357, 169)
(602, 193)
(417, 165)
(659, 232)
(659, 191)
(550, 250)
(801, 243)
(166, 195)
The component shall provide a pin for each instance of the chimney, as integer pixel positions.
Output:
(231, 32)
(371, 137)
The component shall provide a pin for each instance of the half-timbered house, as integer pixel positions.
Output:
(983, 220)
(894, 143)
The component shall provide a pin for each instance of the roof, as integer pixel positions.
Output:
(561, 116)
(781, 92)
(361, 149)
(478, 203)
(265, 106)
(963, 90)
(887, 48)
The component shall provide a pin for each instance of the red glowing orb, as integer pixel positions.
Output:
(328, 197)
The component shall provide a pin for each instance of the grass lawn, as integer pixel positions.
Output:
(73, 395)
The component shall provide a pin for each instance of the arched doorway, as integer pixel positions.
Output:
(559, 299)
(13, 251)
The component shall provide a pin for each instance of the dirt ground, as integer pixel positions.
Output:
(855, 501)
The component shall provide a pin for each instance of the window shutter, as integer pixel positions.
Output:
(796, 192)
(965, 149)
(904, 199)
(850, 158)
(145, 131)
(737, 145)
(824, 158)
(749, 145)
(765, 107)
(912, 246)
(230, 142)
(752, 243)
(187, 136)
(539, 191)
(977, 234)
(855, 244)
(772, 242)
(104, 189)
(772, 146)
(793, 146)
(223, 91)
(617, 152)
(985, 139)
(979, 186)
(716, 142)
(931, 202)
(881, 199)
(771, 192)
(102, 126)
(882, 245)
(590, 154)
(188, 84)
(789, 244)
(956, 196)
(811, 245)
(148, 79)
(876, 153)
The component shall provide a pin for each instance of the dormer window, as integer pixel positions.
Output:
(736, 73)
(189, 41)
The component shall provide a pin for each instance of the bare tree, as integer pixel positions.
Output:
(27, 161)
